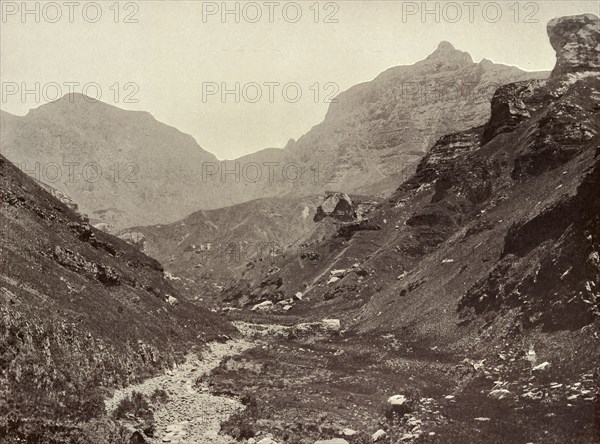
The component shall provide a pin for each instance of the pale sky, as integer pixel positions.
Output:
(174, 51)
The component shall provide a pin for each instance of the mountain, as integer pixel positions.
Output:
(82, 312)
(469, 299)
(377, 129)
(124, 168)
(121, 167)
(335, 155)
(498, 220)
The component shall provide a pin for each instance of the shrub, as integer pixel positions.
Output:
(240, 425)
(134, 406)
(159, 396)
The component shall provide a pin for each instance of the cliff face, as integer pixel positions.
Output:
(376, 129)
(576, 42)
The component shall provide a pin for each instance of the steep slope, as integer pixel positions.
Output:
(81, 312)
(121, 167)
(488, 212)
(210, 248)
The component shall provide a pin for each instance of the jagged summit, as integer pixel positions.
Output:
(446, 52)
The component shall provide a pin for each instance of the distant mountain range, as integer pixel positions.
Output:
(124, 168)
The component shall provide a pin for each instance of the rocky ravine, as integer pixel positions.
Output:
(190, 415)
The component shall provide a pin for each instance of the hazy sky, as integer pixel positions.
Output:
(178, 49)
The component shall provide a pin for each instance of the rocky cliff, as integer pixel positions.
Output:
(375, 130)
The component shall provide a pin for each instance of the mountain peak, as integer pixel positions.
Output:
(446, 46)
(446, 52)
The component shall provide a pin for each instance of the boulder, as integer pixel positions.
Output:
(331, 324)
(339, 273)
(575, 39)
(307, 329)
(172, 300)
(138, 438)
(134, 238)
(266, 305)
(397, 406)
(378, 435)
(499, 393)
(336, 205)
(541, 367)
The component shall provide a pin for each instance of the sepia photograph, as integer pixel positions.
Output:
(300, 222)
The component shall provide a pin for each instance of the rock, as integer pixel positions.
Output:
(332, 441)
(378, 435)
(307, 329)
(266, 305)
(333, 280)
(575, 39)
(541, 367)
(287, 307)
(531, 395)
(499, 393)
(509, 107)
(336, 205)
(397, 400)
(298, 296)
(482, 419)
(267, 441)
(135, 238)
(339, 273)
(397, 405)
(172, 300)
(349, 432)
(251, 441)
(331, 324)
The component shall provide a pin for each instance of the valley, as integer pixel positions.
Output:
(445, 288)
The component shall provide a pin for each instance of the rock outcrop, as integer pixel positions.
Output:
(576, 40)
(511, 105)
(337, 206)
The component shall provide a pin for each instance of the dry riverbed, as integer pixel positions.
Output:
(191, 414)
